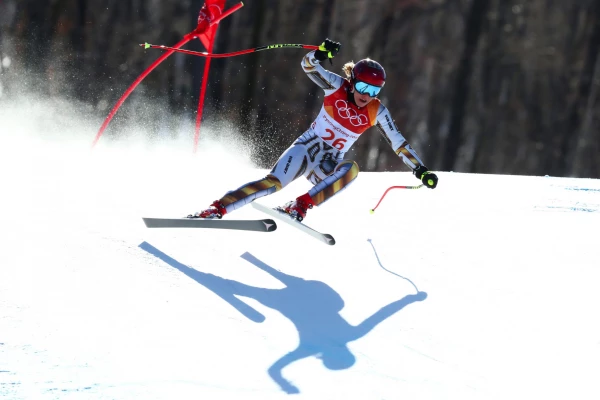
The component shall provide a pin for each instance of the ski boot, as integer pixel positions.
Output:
(216, 211)
(297, 208)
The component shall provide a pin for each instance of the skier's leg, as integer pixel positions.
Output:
(343, 174)
(240, 197)
(329, 179)
(250, 192)
(291, 165)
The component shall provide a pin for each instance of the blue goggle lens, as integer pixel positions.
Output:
(365, 88)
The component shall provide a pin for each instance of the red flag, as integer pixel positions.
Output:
(208, 22)
(209, 17)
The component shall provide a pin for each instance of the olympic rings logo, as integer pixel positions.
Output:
(348, 113)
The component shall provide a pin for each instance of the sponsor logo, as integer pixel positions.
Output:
(287, 166)
(335, 128)
(350, 114)
(339, 130)
(390, 123)
(268, 226)
(276, 46)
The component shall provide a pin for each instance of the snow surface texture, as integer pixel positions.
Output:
(485, 288)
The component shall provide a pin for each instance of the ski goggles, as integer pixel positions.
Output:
(365, 88)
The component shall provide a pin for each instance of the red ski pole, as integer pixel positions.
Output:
(394, 187)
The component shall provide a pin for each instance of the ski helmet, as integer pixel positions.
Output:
(369, 71)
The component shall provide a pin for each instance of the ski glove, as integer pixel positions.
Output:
(428, 178)
(327, 49)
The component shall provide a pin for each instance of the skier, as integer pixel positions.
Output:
(349, 108)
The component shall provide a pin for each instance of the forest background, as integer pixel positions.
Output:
(483, 86)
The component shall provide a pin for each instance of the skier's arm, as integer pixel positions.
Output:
(384, 313)
(387, 127)
(402, 148)
(311, 64)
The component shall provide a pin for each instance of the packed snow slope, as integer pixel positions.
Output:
(484, 288)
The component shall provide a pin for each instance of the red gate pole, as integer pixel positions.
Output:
(196, 33)
(133, 86)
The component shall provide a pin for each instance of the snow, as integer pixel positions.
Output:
(484, 288)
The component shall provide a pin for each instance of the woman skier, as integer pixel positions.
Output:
(349, 108)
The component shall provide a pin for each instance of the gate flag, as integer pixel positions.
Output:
(211, 13)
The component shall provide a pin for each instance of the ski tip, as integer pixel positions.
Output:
(146, 45)
(270, 225)
(328, 239)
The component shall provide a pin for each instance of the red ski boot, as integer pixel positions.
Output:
(297, 209)
(216, 211)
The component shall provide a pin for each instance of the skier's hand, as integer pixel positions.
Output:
(327, 49)
(428, 178)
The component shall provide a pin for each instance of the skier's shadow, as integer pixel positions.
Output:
(312, 306)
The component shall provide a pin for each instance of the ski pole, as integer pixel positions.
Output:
(235, 53)
(394, 187)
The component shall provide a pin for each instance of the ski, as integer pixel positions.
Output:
(281, 216)
(258, 225)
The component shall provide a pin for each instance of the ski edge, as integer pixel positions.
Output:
(323, 237)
